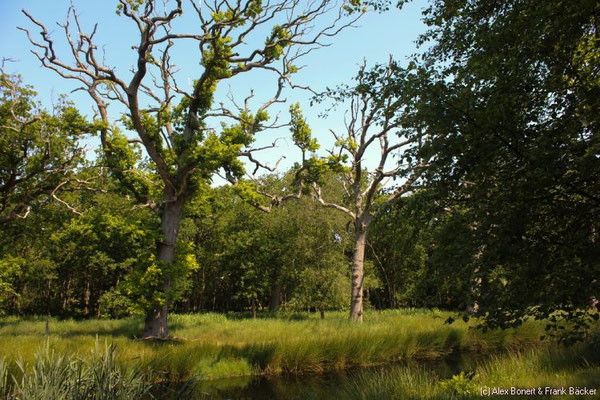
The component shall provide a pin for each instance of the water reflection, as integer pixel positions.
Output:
(330, 385)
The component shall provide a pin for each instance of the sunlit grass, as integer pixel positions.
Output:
(217, 345)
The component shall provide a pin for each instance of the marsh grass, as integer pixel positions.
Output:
(103, 359)
(554, 367)
(65, 376)
(218, 346)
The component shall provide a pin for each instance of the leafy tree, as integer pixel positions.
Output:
(423, 253)
(39, 159)
(27, 273)
(105, 249)
(399, 244)
(312, 252)
(311, 248)
(186, 136)
(324, 286)
(511, 101)
(249, 260)
(38, 149)
(63, 263)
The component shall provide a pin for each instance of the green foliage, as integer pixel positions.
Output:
(38, 148)
(245, 258)
(460, 384)
(361, 6)
(312, 169)
(253, 9)
(144, 284)
(11, 269)
(422, 254)
(104, 245)
(323, 287)
(276, 43)
(510, 97)
(114, 304)
(124, 161)
(132, 4)
(301, 132)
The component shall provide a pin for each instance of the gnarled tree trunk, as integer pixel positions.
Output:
(156, 319)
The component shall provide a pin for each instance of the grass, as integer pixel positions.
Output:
(217, 346)
(542, 368)
(63, 376)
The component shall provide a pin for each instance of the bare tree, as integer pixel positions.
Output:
(373, 133)
(180, 128)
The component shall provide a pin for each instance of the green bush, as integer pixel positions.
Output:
(460, 384)
(114, 304)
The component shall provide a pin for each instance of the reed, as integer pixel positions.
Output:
(64, 376)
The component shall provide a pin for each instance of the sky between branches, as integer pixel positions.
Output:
(374, 39)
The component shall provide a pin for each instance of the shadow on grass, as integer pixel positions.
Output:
(37, 326)
(280, 315)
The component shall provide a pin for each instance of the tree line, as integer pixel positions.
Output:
(98, 263)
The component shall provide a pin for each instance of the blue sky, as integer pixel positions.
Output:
(376, 37)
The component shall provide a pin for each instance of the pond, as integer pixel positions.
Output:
(329, 385)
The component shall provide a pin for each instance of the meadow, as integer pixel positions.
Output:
(220, 347)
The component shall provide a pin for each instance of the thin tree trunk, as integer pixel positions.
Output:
(66, 294)
(358, 270)
(322, 314)
(275, 295)
(156, 320)
(86, 299)
(473, 307)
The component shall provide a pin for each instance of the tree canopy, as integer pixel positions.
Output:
(39, 149)
(511, 100)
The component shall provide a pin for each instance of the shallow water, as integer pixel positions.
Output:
(330, 385)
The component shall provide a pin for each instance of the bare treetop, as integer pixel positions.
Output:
(224, 31)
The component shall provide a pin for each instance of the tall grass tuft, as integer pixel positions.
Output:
(63, 376)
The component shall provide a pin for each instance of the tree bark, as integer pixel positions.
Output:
(358, 270)
(156, 319)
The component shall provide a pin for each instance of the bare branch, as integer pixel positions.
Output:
(319, 198)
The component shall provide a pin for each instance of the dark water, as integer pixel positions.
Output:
(330, 385)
